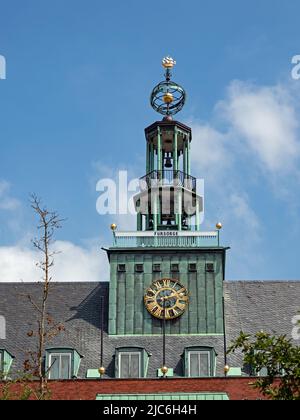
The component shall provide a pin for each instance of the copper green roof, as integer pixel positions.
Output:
(166, 397)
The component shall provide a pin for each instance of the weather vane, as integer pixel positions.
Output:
(168, 97)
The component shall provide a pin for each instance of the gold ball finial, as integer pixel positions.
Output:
(168, 62)
(219, 225)
(168, 98)
(226, 369)
(164, 370)
(113, 226)
(101, 370)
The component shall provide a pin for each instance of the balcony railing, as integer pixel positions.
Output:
(168, 178)
(166, 239)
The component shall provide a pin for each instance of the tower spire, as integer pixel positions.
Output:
(168, 97)
(168, 199)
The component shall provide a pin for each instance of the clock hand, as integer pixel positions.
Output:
(167, 297)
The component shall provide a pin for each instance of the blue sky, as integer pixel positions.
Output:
(76, 101)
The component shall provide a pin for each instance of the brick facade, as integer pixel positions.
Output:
(236, 388)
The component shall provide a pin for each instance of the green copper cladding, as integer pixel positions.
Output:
(168, 243)
(168, 179)
(204, 314)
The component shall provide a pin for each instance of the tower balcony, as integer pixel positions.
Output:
(168, 178)
(166, 239)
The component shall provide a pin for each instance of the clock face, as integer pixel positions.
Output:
(166, 295)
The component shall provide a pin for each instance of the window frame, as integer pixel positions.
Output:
(198, 353)
(1, 362)
(175, 268)
(130, 353)
(156, 268)
(139, 268)
(60, 354)
(210, 267)
(75, 360)
(212, 356)
(6, 361)
(121, 268)
(144, 357)
(192, 267)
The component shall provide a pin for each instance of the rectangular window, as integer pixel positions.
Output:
(139, 268)
(175, 268)
(209, 267)
(1, 363)
(121, 268)
(129, 365)
(192, 267)
(199, 363)
(156, 268)
(60, 366)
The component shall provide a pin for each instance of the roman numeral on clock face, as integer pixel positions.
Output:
(166, 283)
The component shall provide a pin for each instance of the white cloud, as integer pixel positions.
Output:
(242, 212)
(210, 150)
(73, 263)
(264, 120)
(6, 201)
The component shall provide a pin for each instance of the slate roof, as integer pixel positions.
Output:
(252, 306)
(249, 306)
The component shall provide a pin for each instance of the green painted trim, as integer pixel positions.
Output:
(92, 374)
(175, 160)
(200, 349)
(167, 335)
(235, 371)
(7, 360)
(159, 154)
(147, 157)
(75, 359)
(169, 374)
(167, 397)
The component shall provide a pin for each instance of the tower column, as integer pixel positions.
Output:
(175, 154)
(151, 168)
(159, 151)
(139, 222)
(148, 157)
(179, 209)
(154, 207)
(197, 227)
(184, 156)
(188, 156)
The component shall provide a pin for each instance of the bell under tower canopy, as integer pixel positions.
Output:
(168, 199)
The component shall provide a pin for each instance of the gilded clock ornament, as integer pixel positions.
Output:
(166, 295)
(168, 97)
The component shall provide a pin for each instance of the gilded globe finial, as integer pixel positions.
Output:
(113, 226)
(101, 370)
(164, 370)
(168, 62)
(219, 225)
(168, 97)
(226, 369)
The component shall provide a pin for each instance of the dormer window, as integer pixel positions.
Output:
(6, 360)
(199, 362)
(131, 362)
(62, 363)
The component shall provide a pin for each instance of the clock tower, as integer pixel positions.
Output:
(168, 268)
